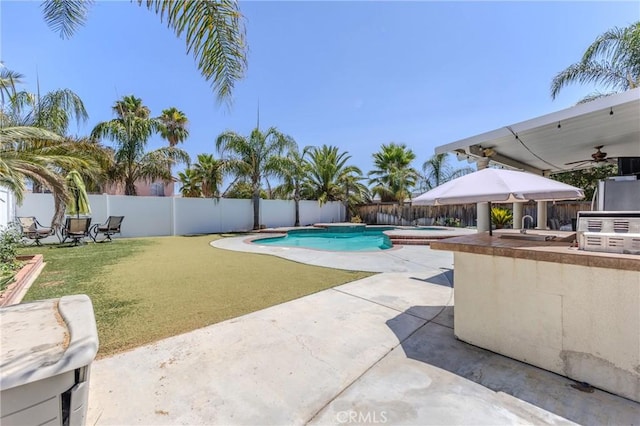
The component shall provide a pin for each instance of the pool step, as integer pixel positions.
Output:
(412, 241)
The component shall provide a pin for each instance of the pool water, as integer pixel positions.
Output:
(332, 239)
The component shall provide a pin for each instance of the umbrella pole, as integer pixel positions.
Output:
(490, 224)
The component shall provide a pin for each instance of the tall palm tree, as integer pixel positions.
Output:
(437, 170)
(173, 126)
(39, 155)
(52, 111)
(254, 158)
(329, 175)
(612, 60)
(213, 32)
(34, 146)
(131, 130)
(393, 177)
(8, 81)
(293, 170)
(209, 173)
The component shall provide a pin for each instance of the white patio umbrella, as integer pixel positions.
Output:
(498, 186)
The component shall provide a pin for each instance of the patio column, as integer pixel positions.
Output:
(542, 215)
(482, 209)
(518, 208)
(484, 221)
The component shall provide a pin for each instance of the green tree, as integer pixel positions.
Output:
(329, 177)
(293, 170)
(437, 170)
(131, 130)
(587, 179)
(8, 81)
(41, 156)
(612, 60)
(213, 31)
(393, 177)
(34, 147)
(209, 173)
(254, 158)
(173, 126)
(242, 190)
(190, 184)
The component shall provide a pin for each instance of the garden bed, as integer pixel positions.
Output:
(15, 291)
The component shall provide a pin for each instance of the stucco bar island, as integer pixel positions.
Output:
(573, 312)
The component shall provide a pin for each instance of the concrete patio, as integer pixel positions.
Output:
(378, 350)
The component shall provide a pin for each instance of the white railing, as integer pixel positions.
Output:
(160, 216)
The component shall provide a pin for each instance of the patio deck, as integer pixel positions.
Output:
(377, 350)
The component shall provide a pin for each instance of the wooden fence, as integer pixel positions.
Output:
(393, 214)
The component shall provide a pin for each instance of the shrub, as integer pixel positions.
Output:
(501, 217)
(356, 219)
(9, 242)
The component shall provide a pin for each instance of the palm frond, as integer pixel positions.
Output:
(65, 16)
(214, 34)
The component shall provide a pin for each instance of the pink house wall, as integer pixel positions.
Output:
(143, 188)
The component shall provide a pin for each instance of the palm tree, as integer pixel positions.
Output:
(393, 176)
(612, 60)
(293, 169)
(190, 184)
(437, 171)
(173, 126)
(209, 173)
(41, 156)
(8, 81)
(254, 158)
(329, 177)
(213, 31)
(34, 146)
(131, 131)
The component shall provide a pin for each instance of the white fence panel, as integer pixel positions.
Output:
(197, 216)
(143, 216)
(236, 215)
(157, 216)
(276, 213)
(311, 212)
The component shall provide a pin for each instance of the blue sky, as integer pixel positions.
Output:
(351, 74)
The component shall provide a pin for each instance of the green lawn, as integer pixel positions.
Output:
(145, 289)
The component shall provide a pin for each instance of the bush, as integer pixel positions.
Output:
(9, 242)
(356, 219)
(501, 217)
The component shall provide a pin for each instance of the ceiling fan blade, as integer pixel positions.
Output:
(576, 162)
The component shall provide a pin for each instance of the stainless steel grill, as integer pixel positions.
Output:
(608, 231)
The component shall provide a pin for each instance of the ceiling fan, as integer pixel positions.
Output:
(596, 157)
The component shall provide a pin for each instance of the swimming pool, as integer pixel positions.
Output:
(338, 238)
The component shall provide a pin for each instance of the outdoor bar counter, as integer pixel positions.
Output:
(570, 311)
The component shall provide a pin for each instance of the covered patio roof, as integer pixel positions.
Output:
(544, 145)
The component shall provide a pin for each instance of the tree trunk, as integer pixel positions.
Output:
(297, 202)
(129, 188)
(256, 209)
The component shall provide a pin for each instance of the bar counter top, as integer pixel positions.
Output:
(560, 250)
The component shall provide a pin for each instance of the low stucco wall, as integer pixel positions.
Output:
(579, 321)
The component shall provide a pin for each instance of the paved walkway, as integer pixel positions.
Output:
(379, 350)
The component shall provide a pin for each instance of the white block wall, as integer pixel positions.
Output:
(159, 216)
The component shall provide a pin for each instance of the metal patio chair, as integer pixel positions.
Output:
(75, 229)
(107, 229)
(32, 229)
